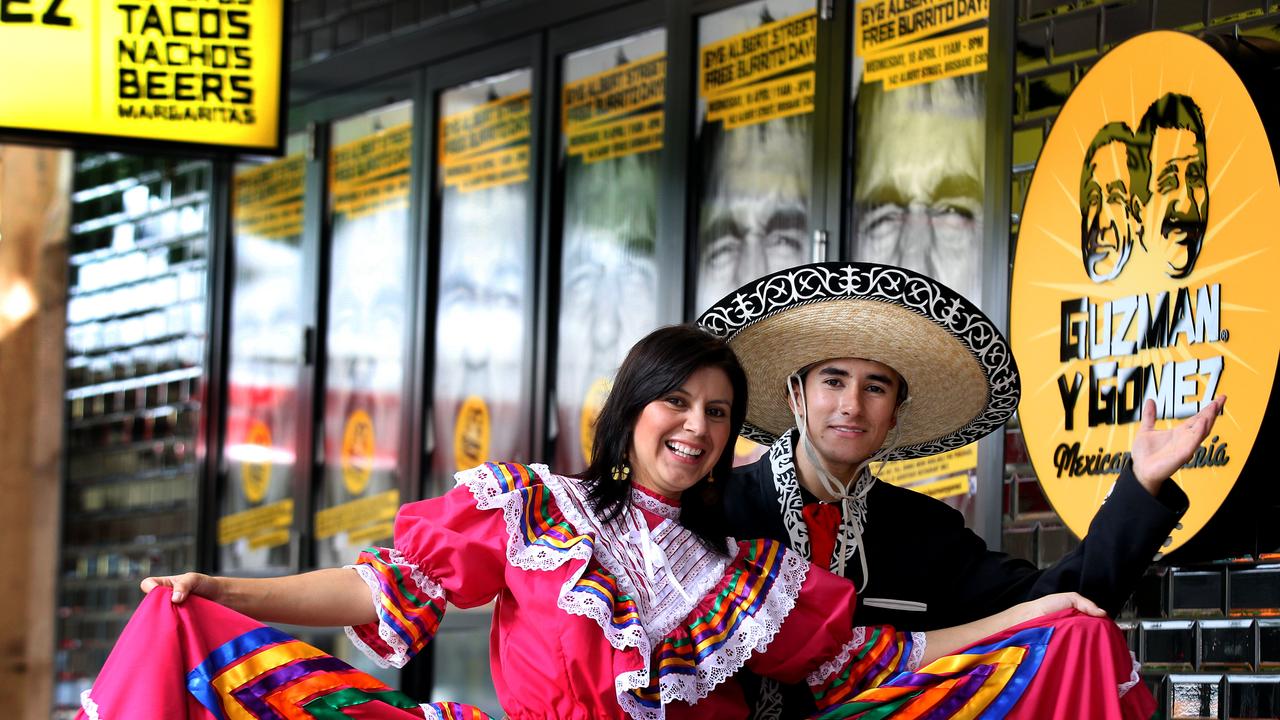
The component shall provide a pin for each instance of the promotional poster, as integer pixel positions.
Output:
(1143, 274)
(612, 123)
(754, 143)
(919, 153)
(481, 391)
(368, 307)
(256, 516)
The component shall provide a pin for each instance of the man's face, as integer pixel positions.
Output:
(1110, 227)
(850, 409)
(755, 216)
(1178, 211)
(919, 189)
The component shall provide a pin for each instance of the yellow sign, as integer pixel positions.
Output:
(739, 76)
(187, 71)
(928, 60)
(267, 200)
(942, 475)
(358, 446)
(1129, 285)
(264, 527)
(884, 24)
(615, 92)
(362, 520)
(255, 477)
(487, 145)
(757, 54)
(592, 404)
(471, 433)
(371, 174)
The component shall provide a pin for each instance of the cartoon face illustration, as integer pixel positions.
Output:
(1176, 194)
(1109, 213)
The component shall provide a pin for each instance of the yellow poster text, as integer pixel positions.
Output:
(948, 56)
(353, 516)
(760, 102)
(484, 127)
(883, 24)
(615, 92)
(752, 56)
(629, 136)
(270, 521)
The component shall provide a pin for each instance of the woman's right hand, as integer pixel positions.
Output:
(191, 583)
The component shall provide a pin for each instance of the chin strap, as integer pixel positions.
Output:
(834, 487)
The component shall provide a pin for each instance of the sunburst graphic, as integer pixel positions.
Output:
(1143, 271)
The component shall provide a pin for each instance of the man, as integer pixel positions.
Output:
(1109, 211)
(919, 172)
(851, 363)
(1177, 193)
(754, 218)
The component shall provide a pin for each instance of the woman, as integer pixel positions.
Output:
(617, 595)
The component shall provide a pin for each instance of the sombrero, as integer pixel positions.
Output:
(960, 373)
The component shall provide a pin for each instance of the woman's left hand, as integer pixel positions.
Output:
(1060, 601)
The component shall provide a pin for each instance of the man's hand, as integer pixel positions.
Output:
(1157, 454)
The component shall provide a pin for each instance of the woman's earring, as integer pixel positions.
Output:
(621, 473)
(711, 479)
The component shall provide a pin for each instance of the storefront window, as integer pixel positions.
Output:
(367, 309)
(611, 141)
(481, 407)
(256, 513)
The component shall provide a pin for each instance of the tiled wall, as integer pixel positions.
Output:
(321, 28)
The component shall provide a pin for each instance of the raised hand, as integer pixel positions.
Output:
(1157, 454)
(183, 585)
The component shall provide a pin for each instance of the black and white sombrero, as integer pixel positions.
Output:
(960, 373)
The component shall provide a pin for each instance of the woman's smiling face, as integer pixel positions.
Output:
(679, 437)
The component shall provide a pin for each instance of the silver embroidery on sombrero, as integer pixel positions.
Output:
(821, 282)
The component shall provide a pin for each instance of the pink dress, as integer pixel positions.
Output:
(633, 618)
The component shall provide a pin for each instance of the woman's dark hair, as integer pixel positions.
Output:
(655, 366)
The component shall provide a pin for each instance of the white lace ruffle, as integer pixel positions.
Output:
(490, 496)
(1134, 678)
(400, 652)
(753, 636)
(431, 587)
(90, 707)
(919, 641)
(829, 668)
(645, 501)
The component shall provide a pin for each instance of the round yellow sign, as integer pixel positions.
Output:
(357, 452)
(471, 433)
(592, 403)
(1129, 284)
(255, 477)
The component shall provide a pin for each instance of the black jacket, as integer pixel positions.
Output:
(918, 550)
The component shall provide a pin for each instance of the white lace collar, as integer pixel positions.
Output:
(791, 503)
(660, 608)
(647, 500)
